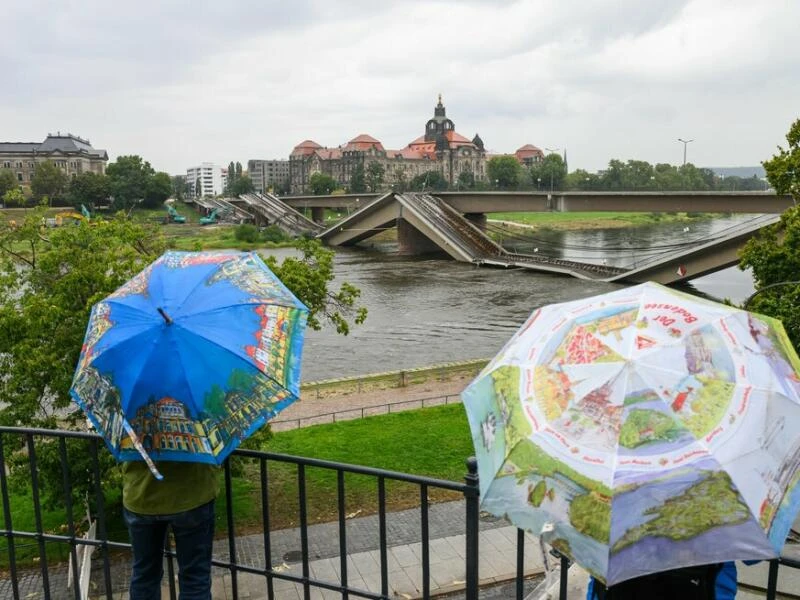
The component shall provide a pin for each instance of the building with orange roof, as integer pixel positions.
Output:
(439, 149)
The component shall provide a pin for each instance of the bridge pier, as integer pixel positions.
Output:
(411, 241)
(318, 214)
(477, 219)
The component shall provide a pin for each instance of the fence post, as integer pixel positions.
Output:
(472, 497)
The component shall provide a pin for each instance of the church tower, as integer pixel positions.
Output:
(436, 128)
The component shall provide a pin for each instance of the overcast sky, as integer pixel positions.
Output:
(184, 82)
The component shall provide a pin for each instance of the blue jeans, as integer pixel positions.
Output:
(194, 534)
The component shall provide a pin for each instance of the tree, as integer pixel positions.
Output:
(242, 185)
(238, 169)
(375, 173)
(783, 169)
(47, 288)
(358, 180)
(551, 170)
(8, 181)
(48, 181)
(321, 184)
(504, 172)
(309, 278)
(14, 197)
(430, 181)
(180, 187)
(774, 254)
(89, 188)
(582, 180)
(466, 180)
(129, 177)
(159, 188)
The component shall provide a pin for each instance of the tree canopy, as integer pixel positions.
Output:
(358, 180)
(374, 176)
(321, 184)
(504, 172)
(89, 188)
(774, 254)
(8, 181)
(429, 181)
(48, 181)
(131, 181)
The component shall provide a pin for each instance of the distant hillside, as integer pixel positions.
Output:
(744, 172)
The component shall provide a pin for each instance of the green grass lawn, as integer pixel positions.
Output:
(433, 442)
(581, 220)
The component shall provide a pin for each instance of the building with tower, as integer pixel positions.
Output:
(439, 149)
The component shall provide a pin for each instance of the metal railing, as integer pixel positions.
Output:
(30, 441)
(365, 411)
(25, 445)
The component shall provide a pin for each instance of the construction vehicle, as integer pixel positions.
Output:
(210, 218)
(174, 216)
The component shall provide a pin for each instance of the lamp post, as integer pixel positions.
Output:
(552, 150)
(685, 143)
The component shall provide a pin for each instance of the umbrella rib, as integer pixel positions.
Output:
(117, 302)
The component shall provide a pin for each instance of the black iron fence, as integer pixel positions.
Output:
(33, 554)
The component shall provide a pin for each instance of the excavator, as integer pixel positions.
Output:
(210, 218)
(175, 216)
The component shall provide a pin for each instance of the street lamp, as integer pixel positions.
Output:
(552, 150)
(685, 143)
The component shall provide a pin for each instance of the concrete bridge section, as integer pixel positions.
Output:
(467, 202)
(426, 223)
(272, 211)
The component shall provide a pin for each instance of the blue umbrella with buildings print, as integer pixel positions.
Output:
(190, 357)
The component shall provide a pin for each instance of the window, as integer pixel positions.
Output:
(6, 165)
(19, 176)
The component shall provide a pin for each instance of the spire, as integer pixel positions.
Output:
(439, 111)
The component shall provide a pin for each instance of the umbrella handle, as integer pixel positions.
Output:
(138, 445)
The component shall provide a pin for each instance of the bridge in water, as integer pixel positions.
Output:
(455, 223)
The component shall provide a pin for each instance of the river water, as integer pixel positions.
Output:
(425, 311)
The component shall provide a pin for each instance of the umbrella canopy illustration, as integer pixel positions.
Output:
(190, 357)
(644, 429)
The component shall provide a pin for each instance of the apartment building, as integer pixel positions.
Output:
(269, 175)
(205, 180)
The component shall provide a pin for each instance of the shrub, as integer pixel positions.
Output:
(246, 233)
(274, 234)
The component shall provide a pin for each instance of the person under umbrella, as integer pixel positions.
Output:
(178, 367)
(643, 430)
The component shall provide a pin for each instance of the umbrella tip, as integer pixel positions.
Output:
(163, 313)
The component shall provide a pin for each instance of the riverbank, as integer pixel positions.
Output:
(380, 393)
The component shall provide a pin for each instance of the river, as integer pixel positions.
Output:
(425, 310)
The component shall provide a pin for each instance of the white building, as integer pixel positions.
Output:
(205, 180)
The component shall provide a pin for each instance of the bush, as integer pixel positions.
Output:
(274, 234)
(246, 233)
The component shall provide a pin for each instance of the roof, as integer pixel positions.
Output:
(363, 142)
(527, 151)
(17, 147)
(305, 147)
(67, 144)
(456, 139)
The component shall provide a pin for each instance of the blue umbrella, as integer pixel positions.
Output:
(190, 357)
